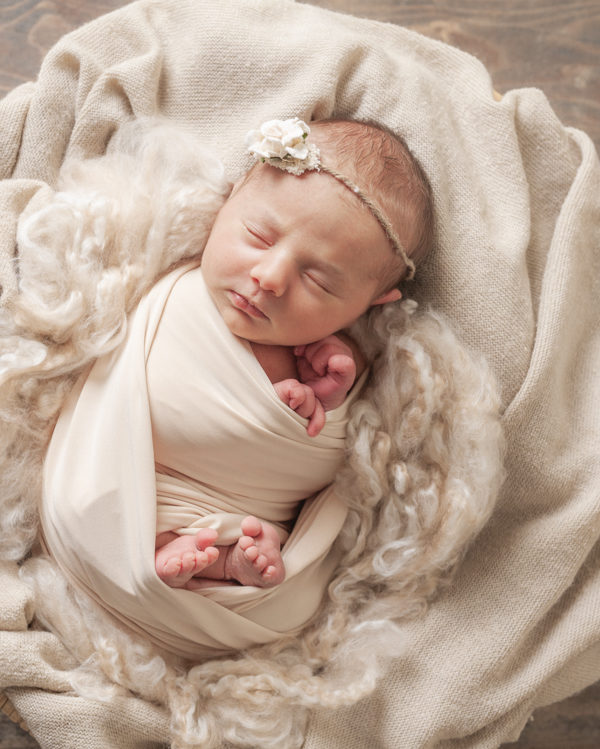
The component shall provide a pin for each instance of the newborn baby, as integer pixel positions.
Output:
(322, 228)
(197, 445)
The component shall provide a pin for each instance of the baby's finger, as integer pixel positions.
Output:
(343, 366)
(317, 420)
(322, 361)
(302, 401)
(305, 370)
(291, 392)
(331, 341)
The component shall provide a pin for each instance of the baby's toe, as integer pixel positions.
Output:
(245, 542)
(269, 572)
(251, 553)
(260, 562)
(205, 537)
(212, 554)
(251, 526)
(274, 574)
(189, 562)
(172, 567)
(201, 561)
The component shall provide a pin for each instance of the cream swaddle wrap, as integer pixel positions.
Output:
(226, 447)
(213, 408)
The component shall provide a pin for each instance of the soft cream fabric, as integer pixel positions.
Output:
(236, 450)
(516, 268)
(219, 426)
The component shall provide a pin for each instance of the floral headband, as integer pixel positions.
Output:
(284, 144)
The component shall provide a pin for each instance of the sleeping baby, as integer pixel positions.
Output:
(198, 455)
(322, 228)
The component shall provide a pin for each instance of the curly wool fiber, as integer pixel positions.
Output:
(423, 465)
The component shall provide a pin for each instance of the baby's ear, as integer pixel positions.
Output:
(393, 295)
(236, 186)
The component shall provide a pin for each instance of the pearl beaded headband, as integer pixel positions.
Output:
(284, 144)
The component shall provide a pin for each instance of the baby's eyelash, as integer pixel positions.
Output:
(257, 234)
(318, 283)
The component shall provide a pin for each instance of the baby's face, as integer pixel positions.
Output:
(292, 259)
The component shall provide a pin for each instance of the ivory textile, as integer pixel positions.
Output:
(203, 385)
(219, 425)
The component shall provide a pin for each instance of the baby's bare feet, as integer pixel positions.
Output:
(178, 560)
(256, 557)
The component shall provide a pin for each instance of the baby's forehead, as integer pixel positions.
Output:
(291, 189)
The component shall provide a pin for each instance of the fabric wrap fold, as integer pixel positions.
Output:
(99, 506)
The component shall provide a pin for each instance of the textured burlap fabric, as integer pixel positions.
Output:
(516, 268)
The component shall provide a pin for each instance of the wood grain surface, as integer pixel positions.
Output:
(549, 44)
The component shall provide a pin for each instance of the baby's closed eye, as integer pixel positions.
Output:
(318, 281)
(258, 235)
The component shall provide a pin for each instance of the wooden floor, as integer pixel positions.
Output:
(550, 44)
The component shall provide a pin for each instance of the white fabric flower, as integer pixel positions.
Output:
(280, 139)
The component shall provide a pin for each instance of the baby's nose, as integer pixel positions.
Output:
(272, 274)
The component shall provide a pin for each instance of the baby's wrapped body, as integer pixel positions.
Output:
(183, 391)
(225, 445)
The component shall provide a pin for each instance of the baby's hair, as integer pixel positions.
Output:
(386, 170)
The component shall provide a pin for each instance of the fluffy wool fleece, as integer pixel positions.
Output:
(423, 467)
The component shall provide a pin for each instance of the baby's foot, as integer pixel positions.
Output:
(185, 556)
(256, 557)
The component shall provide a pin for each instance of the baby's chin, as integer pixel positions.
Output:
(289, 341)
(265, 332)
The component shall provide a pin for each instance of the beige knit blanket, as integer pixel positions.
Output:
(516, 270)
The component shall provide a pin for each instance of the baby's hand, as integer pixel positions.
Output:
(302, 399)
(328, 368)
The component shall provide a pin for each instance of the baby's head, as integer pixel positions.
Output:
(292, 258)
(379, 162)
